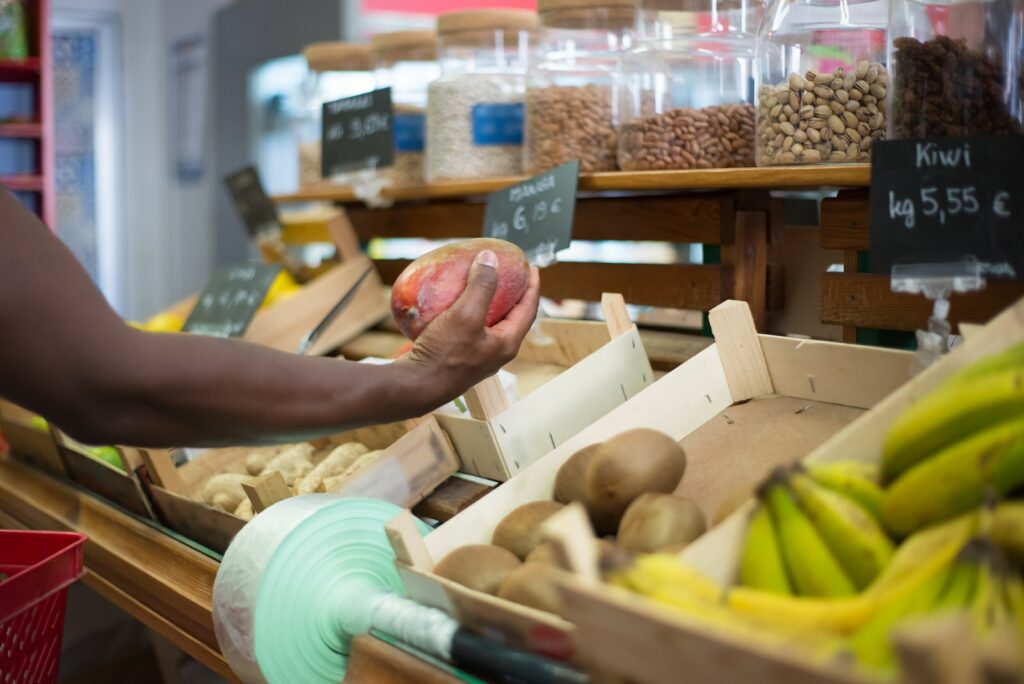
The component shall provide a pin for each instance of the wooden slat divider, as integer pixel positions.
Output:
(682, 286)
(845, 221)
(867, 300)
(660, 218)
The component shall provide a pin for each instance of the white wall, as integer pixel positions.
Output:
(168, 240)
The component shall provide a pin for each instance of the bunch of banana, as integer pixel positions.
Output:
(978, 583)
(949, 450)
(814, 534)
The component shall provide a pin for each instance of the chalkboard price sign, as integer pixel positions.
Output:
(357, 133)
(252, 202)
(941, 200)
(230, 300)
(536, 214)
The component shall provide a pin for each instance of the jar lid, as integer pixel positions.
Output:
(420, 43)
(487, 20)
(549, 5)
(338, 56)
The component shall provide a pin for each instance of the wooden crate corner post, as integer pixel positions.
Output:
(162, 471)
(266, 490)
(740, 350)
(407, 543)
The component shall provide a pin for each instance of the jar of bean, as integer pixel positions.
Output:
(957, 67)
(475, 109)
(336, 70)
(687, 87)
(571, 90)
(821, 81)
(406, 62)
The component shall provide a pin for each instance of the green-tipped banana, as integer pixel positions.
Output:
(957, 478)
(1008, 529)
(761, 565)
(925, 551)
(857, 480)
(851, 534)
(959, 589)
(1013, 357)
(871, 644)
(951, 414)
(812, 567)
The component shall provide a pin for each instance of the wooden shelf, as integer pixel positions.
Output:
(21, 130)
(780, 178)
(20, 70)
(25, 182)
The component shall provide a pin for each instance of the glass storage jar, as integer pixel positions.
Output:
(336, 70)
(406, 62)
(956, 67)
(475, 109)
(571, 88)
(687, 87)
(821, 81)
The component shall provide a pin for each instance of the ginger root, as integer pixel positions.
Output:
(293, 463)
(332, 483)
(224, 491)
(258, 459)
(244, 510)
(336, 463)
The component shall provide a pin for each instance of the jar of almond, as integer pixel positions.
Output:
(570, 97)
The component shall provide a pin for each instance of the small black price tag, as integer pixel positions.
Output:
(252, 202)
(537, 213)
(358, 133)
(230, 300)
(940, 200)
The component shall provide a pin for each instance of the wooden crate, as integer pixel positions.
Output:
(577, 370)
(866, 300)
(740, 408)
(416, 459)
(122, 487)
(627, 635)
(27, 441)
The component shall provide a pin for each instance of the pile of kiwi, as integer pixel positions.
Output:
(625, 484)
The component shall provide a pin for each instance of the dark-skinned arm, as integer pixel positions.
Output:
(65, 354)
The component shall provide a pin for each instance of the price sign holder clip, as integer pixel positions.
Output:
(937, 282)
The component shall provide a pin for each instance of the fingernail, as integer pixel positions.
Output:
(487, 258)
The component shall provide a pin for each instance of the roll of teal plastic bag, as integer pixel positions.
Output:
(12, 30)
(293, 578)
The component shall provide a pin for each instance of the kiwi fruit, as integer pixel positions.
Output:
(482, 567)
(533, 585)
(632, 463)
(571, 480)
(660, 522)
(519, 531)
(545, 553)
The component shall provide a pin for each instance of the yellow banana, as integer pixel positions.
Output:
(840, 615)
(957, 478)
(851, 534)
(925, 551)
(651, 573)
(871, 643)
(812, 567)
(1013, 357)
(949, 414)
(1008, 528)
(761, 565)
(856, 480)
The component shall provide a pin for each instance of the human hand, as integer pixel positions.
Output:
(457, 350)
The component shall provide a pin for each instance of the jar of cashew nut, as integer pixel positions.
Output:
(821, 81)
(406, 62)
(687, 87)
(571, 89)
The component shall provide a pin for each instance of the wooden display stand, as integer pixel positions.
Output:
(627, 635)
(29, 442)
(866, 300)
(415, 461)
(739, 408)
(598, 366)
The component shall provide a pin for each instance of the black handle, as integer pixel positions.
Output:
(509, 665)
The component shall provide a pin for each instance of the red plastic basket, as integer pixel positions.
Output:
(39, 567)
